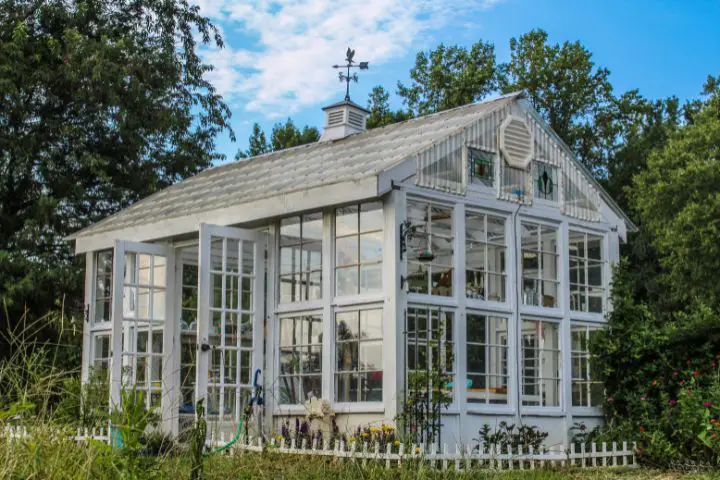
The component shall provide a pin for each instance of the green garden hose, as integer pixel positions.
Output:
(230, 443)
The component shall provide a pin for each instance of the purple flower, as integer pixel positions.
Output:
(672, 403)
(708, 404)
(643, 398)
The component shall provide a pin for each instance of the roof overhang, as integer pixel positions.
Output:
(265, 208)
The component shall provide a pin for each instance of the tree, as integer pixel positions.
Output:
(257, 144)
(287, 135)
(564, 85)
(448, 77)
(103, 103)
(284, 135)
(380, 112)
(678, 200)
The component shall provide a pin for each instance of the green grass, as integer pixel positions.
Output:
(55, 457)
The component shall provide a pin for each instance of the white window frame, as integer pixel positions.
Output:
(529, 308)
(350, 407)
(559, 351)
(301, 313)
(604, 272)
(480, 303)
(429, 297)
(586, 328)
(456, 371)
(301, 303)
(487, 407)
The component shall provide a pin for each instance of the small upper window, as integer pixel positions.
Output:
(358, 249)
(301, 258)
(587, 289)
(482, 167)
(546, 182)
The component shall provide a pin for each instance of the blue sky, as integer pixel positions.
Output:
(277, 57)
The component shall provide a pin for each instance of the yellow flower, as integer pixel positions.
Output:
(364, 434)
(396, 443)
(279, 438)
(375, 430)
(417, 449)
(388, 428)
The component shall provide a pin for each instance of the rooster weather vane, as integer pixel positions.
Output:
(346, 77)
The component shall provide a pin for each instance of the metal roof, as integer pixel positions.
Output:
(273, 174)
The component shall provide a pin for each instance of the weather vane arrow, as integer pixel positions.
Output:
(346, 77)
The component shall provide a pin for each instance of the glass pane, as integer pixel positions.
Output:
(418, 277)
(248, 257)
(346, 251)
(246, 330)
(346, 221)
(144, 267)
(229, 405)
(476, 328)
(213, 401)
(347, 326)
(594, 245)
(312, 386)
(232, 249)
(496, 287)
(372, 386)
(370, 278)
(231, 328)
(346, 281)
(158, 305)
(290, 231)
(312, 228)
(347, 356)
(230, 366)
(476, 358)
(371, 247)
(371, 324)
(288, 361)
(246, 367)
(371, 355)
(371, 216)
(216, 253)
(346, 387)
(441, 280)
(246, 299)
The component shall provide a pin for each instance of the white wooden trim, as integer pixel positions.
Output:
(89, 317)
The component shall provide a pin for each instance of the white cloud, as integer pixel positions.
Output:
(286, 65)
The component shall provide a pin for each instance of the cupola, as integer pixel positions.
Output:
(343, 119)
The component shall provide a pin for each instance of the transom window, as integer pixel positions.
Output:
(482, 167)
(546, 181)
(359, 356)
(358, 249)
(540, 363)
(485, 255)
(587, 292)
(586, 392)
(487, 356)
(301, 258)
(430, 250)
(301, 339)
(539, 265)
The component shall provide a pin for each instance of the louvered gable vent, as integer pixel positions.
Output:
(516, 142)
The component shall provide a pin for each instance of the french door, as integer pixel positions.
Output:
(142, 326)
(230, 325)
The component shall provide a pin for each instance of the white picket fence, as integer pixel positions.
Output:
(460, 457)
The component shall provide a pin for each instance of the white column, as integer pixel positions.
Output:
(89, 305)
(270, 372)
(514, 263)
(459, 280)
(203, 315)
(328, 275)
(170, 374)
(117, 324)
(394, 304)
(565, 340)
